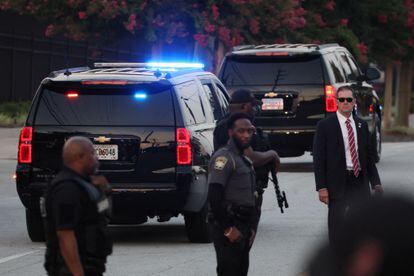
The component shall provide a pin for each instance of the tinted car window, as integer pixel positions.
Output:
(345, 65)
(335, 67)
(214, 103)
(353, 65)
(138, 105)
(191, 103)
(221, 94)
(258, 70)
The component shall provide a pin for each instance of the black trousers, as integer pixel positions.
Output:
(65, 272)
(232, 258)
(355, 192)
(62, 270)
(259, 202)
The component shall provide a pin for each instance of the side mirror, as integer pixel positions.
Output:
(372, 73)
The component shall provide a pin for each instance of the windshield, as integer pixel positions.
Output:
(116, 106)
(257, 70)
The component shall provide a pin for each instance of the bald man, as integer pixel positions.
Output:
(76, 209)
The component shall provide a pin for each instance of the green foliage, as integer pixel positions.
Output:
(13, 113)
(382, 30)
(230, 21)
(7, 121)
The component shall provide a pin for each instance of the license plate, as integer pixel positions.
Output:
(106, 152)
(272, 104)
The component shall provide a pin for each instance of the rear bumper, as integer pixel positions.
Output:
(291, 142)
(128, 199)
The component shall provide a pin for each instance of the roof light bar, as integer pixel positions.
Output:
(152, 65)
(181, 65)
(140, 95)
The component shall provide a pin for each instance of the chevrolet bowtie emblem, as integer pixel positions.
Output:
(271, 94)
(101, 139)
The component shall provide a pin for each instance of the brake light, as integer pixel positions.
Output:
(272, 54)
(184, 151)
(25, 145)
(26, 134)
(72, 94)
(330, 101)
(371, 108)
(104, 82)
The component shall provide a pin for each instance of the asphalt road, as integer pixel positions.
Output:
(283, 243)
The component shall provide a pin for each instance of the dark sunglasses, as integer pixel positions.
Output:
(349, 100)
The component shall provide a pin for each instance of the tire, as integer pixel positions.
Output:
(34, 225)
(197, 227)
(377, 142)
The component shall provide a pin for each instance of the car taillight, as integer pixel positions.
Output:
(72, 94)
(330, 101)
(371, 108)
(184, 154)
(25, 145)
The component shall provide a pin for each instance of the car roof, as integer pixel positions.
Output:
(124, 72)
(290, 48)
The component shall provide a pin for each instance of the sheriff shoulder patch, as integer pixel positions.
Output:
(220, 162)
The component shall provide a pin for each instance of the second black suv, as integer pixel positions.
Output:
(152, 128)
(297, 84)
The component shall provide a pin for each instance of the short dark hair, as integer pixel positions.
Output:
(237, 116)
(242, 96)
(345, 87)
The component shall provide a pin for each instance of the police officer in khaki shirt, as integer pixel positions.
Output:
(232, 199)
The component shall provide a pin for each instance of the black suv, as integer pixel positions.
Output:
(297, 84)
(152, 128)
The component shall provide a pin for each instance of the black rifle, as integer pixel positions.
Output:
(281, 197)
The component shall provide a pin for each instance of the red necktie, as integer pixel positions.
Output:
(352, 147)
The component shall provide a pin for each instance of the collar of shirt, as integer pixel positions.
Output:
(233, 147)
(344, 131)
(87, 178)
(342, 119)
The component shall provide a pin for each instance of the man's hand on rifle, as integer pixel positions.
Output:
(233, 234)
(276, 161)
(260, 158)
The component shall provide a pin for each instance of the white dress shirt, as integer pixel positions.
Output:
(344, 130)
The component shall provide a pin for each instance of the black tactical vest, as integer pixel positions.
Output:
(94, 244)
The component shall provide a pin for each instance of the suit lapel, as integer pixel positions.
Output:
(340, 136)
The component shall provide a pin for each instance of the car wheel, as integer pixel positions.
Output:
(34, 224)
(197, 227)
(377, 142)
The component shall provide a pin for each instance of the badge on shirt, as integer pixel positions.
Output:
(103, 205)
(220, 163)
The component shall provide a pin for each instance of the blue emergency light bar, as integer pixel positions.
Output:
(162, 66)
(177, 65)
(140, 95)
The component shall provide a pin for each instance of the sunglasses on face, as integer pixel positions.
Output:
(349, 100)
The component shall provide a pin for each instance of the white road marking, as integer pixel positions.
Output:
(6, 259)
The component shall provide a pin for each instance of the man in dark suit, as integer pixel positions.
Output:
(344, 162)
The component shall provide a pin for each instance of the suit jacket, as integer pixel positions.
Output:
(329, 157)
